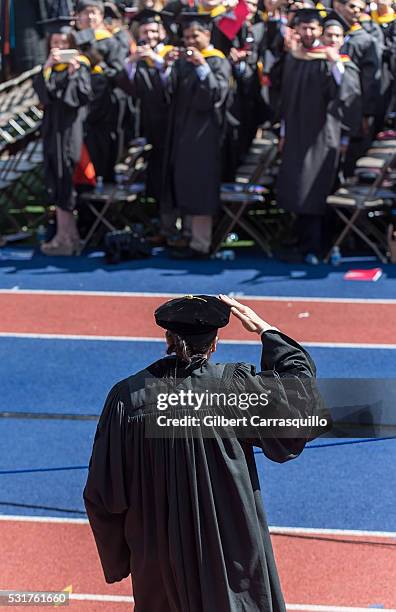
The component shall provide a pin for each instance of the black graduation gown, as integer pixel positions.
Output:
(310, 153)
(104, 121)
(193, 150)
(124, 40)
(364, 52)
(249, 106)
(150, 92)
(349, 100)
(65, 98)
(185, 515)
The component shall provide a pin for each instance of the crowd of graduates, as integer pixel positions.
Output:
(196, 80)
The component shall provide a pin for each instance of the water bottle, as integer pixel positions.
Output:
(99, 185)
(41, 234)
(335, 256)
(226, 255)
(233, 237)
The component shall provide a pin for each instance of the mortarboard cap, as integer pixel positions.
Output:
(194, 317)
(111, 11)
(333, 18)
(147, 16)
(306, 15)
(83, 4)
(186, 18)
(57, 25)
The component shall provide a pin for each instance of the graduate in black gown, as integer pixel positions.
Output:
(311, 85)
(182, 512)
(248, 59)
(349, 99)
(64, 90)
(199, 88)
(364, 51)
(104, 125)
(148, 72)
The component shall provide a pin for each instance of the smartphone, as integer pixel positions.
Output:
(66, 55)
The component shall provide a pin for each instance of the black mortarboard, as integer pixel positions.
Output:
(83, 4)
(111, 11)
(193, 317)
(333, 18)
(147, 16)
(186, 18)
(57, 25)
(306, 15)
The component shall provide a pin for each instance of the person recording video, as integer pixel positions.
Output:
(147, 71)
(64, 89)
(199, 87)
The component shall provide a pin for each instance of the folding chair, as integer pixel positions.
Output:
(355, 206)
(114, 194)
(246, 192)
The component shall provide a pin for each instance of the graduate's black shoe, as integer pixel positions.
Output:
(188, 253)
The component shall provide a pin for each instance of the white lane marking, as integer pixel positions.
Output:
(273, 529)
(34, 336)
(319, 608)
(112, 598)
(264, 298)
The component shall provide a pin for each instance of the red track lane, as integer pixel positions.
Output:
(332, 570)
(359, 571)
(133, 316)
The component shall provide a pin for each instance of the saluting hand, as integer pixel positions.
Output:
(249, 319)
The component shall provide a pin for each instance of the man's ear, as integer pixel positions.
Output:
(214, 345)
(169, 338)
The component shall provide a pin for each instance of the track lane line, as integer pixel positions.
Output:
(146, 294)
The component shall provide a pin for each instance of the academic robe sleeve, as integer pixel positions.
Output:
(370, 79)
(289, 372)
(105, 493)
(350, 99)
(40, 87)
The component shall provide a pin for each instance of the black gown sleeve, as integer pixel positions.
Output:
(105, 493)
(370, 79)
(289, 373)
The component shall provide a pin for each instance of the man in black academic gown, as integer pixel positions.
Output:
(181, 511)
(349, 99)
(148, 72)
(104, 122)
(311, 83)
(364, 51)
(247, 56)
(199, 87)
